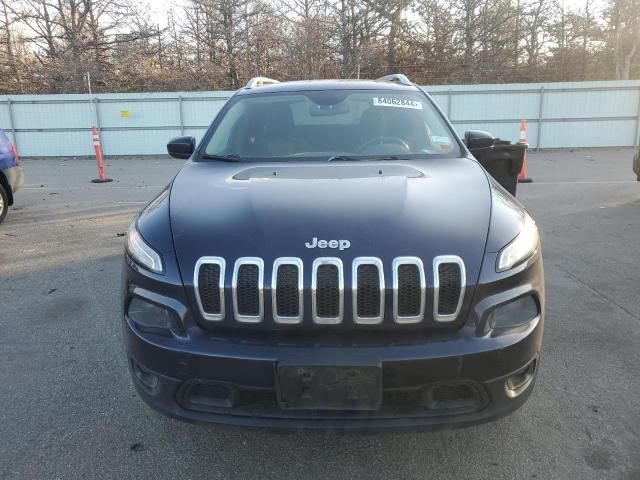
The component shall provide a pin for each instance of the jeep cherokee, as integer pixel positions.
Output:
(331, 255)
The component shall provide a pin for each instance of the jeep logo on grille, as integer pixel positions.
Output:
(339, 244)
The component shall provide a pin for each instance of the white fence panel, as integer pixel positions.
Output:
(576, 114)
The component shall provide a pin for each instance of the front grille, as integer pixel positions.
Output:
(247, 289)
(209, 282)
(327, 290)
(368, 297)
(368, 290)
(409, 292)
(287, 299)
(209, 279)
(449, 286)
(449, 274)
(247, 294)
(287, 290)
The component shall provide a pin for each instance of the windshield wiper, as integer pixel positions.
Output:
(346, 158)
(232, 157)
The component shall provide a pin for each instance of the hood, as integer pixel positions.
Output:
(382, 209)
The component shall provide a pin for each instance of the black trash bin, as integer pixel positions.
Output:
(503, 161)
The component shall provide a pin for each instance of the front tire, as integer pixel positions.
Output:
(4, 203)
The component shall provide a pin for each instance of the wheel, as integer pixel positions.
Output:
(4, 203)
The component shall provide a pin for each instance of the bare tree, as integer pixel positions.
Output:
(71, 37)
(392, 12)
(8, 38)
(537, 26)
(49, 45)
(624, 23)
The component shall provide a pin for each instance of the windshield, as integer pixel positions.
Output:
(323, 124)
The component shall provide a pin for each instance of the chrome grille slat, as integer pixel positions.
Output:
(250, 310)
(287, 297)
(368, 290)
(399, 290)
(329, 308)
(220, 263)
(448, 293)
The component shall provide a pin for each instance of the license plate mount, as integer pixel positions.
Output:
(314, 387)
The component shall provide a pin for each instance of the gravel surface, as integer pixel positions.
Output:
(69, 409)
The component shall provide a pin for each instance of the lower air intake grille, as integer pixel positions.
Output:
(327, 291)
(248, 294)
(449, 276)
(409, 291)
(368, 299)
(287, 291)
(209, 288)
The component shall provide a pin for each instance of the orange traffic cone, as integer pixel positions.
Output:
(522, 176)
(99, 159)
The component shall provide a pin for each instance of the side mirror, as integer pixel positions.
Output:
(181, 147)
(479, 140)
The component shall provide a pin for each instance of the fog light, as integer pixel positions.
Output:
(514, 314)
(520, 381)
(149, 317)
(147, 379)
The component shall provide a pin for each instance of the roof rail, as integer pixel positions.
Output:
(396, 78)
(259, 82)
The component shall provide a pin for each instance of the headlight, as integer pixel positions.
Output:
(520, 248)
(142, 253)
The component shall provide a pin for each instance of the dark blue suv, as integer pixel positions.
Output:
(333, 256)
(11, 174)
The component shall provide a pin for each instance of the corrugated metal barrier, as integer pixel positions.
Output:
(559, 115)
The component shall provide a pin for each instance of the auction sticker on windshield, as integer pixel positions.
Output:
(396, 102)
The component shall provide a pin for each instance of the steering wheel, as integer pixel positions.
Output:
(384, 140)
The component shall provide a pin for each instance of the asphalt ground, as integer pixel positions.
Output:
(68, 408)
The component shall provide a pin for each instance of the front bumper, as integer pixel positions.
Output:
(174, 376)
(428, 379)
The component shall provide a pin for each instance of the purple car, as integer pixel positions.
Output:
(11, 174)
